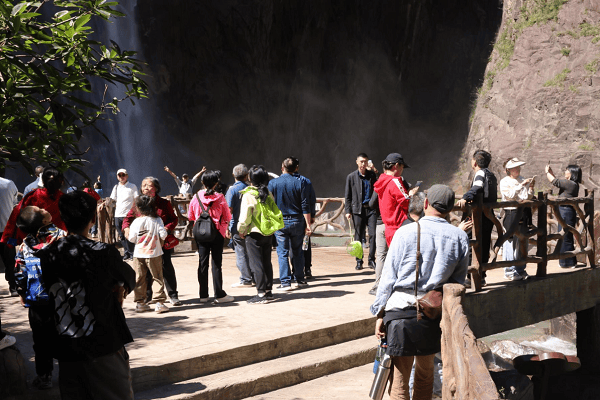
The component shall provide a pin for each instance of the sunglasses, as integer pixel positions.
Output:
(121, 175)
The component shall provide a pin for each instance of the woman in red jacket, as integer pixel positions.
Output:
(164, 210)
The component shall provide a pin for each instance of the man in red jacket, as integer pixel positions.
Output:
(394, 194)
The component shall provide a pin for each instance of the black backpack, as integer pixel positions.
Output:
(204, 228)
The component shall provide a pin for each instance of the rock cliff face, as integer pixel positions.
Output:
(255, 81)
(540, 97)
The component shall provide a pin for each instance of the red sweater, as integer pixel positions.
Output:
(92, 193)
(37, 197)
(393, 203)
(164, 210)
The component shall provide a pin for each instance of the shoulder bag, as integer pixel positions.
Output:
(431, 303)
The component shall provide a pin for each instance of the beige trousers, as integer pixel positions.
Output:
(400, 374)
(142, 266)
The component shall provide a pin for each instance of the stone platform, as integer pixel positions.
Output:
(237, 350)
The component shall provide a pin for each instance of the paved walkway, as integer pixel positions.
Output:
(338, 294)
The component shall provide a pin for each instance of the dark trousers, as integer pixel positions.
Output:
(307, 260)
(8, 253)
(486, 238)
(259, 260)
(204, 250)
(168, 276)
(41, 321)
(367, 219)
(105, 377)
(127, 245)
(569, 215)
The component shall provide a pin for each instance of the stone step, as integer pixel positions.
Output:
(351, 384)
(147, 377)
(267, 376)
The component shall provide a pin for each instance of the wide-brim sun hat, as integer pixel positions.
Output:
(514, 163)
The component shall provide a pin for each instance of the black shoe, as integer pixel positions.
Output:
(359, 266)
(269, 296)
(372, 265)
(258, 300)
(307, 274)
(14, 293)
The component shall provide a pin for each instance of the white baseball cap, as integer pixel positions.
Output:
(122, 171)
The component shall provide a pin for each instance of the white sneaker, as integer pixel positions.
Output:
(204, 299)
(224, 299)
(7, 341)
(241, 285)
(142, 307)
(161, 308)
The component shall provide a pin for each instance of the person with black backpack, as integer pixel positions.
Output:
(210, 213)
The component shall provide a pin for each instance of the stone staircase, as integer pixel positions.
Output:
(262, 367)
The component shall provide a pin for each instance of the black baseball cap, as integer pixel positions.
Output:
(396, 158)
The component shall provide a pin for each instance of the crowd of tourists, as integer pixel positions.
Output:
(426, 251)
(74, 286)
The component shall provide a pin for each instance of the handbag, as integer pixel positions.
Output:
(431, 303)
(204, 228)
(170, 242)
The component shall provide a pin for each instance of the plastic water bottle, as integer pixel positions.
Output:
(305, 242)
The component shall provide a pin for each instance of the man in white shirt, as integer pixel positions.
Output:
(35, 184)
(8, 200)
(185, 185)
(123, 193)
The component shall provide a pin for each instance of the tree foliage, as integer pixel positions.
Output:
(49, 66)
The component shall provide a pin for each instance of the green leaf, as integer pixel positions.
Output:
(81, 21)
(18, 9)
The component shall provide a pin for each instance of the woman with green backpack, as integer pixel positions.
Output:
(259, 219)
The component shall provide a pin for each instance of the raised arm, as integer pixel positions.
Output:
(549, 173)
(198, 175)
(171, 172)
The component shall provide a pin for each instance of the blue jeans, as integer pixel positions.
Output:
(510, 248)
(290, 238)
(241, 258)
(570, 217)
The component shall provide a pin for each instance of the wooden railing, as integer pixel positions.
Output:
(584, 236)
(465, 373)
(326, 219)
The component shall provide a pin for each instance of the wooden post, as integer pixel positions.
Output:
(476, 251)
(542, 237)
(588, 339)
(588, 209)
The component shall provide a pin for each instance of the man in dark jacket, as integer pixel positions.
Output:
(87, 281)
(359, 189)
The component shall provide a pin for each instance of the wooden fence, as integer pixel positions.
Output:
(548, 215)
(465, 373)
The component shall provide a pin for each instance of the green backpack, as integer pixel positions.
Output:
(269, 217)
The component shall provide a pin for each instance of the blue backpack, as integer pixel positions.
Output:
(35, 293)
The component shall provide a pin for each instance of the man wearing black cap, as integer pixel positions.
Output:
(359, 189)
(394, 194)
(444, 258)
